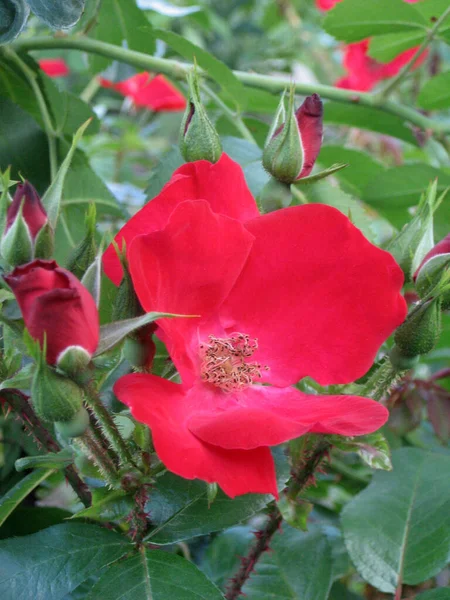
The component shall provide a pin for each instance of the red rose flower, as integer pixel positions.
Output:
(54, 303)
(329, 4)
(154, 93)
(281, 296)
(54, 67)
(365, 72)
(442, 247)
(33, 212)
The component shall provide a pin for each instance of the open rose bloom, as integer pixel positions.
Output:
(278, 297)
(146, 91)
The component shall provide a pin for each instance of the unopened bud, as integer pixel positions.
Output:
(432, 269)
(76, 426)
(294, 139)
(412, 243)
(73, 360)
(198, 138)
(54, 397)
(28, 233)
(420, 332)
(84, 254)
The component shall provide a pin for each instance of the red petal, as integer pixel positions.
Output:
(221, 184)
(319, 297)
(164, 407)
(54, 67)
(263, 415)
(310, 123)
(188, 268)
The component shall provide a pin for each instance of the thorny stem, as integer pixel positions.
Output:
(233, 117)
(20, 405)
(108, 427)
(99, 456)
(269, 83)
(381, 381)
(397, 80)
(301, 477)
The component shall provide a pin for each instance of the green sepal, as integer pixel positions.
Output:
(16, 245)
(416, 239)
(44, 244)
(198, 138)
(84, 254)
(126, 304)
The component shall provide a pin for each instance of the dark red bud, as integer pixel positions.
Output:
(443, 247)
(310, 123)
(33, 211)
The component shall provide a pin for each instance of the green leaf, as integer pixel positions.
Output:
(401, 187)
(20, 380)
(213, 66)
(121, 21)
(438, 594)
(20, 491)
(179, 509)
(112, 333)
(154, 575)
(58, 14)
(52, 197)
(13, 16)
(298, 567)
(385, 48)
(362, 166)
(407, 512)
(51, 563)
(435, 94)
(355, 20)
(107, 505)
(249, 156)
(364, 117)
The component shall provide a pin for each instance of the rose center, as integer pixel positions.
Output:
(224, 362)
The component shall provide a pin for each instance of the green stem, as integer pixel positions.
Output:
(31, 77)
(272, 84)
(98, 455)
(301, 478)
(109, 427)
(381, 381)
(397, 80)
(233, 117)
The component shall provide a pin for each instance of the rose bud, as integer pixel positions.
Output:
(198, 138)
(419, 333)
(28, 233)
(56, 305)
(293, 147)
(430, 271)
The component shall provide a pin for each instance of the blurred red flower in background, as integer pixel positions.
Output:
(147, 91)
(54, 67)
(364, 72)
